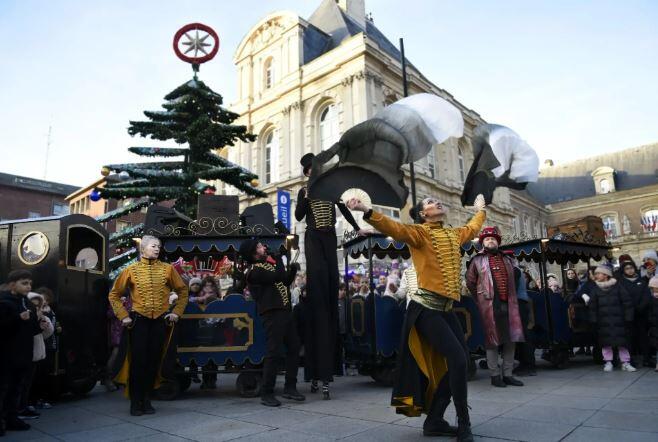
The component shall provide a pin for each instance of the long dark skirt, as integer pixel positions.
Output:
(321, 314)
(432, 361)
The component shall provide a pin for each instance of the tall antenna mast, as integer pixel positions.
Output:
(48, 142)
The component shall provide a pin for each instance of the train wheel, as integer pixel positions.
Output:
(169, 390)
(80, 387)
(248, 384)
(560, 357)
(384, 375)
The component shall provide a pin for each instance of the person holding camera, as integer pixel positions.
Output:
(268, 282)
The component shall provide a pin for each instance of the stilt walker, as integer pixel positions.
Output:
(322, 281)
(432, 361)
(149, 325)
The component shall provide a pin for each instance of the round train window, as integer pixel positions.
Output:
(33, 248)
(87, 259)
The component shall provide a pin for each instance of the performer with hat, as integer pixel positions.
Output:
(322, 280)
(490, 279)
(149, 324)
(433, 357)
(268, 282)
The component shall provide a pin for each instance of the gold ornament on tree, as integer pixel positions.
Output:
(255, 182)
(105, 171)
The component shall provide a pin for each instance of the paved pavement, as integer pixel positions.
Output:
(580, 403)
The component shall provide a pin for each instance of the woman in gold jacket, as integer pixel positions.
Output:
(150, 282)
(432, 362)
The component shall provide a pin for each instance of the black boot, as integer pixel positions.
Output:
(15, 424)
(496, 381)
(147, 408)
(136, 408)
(292, 393)
(511, 380)
(325, 391)
(464, 433)
(269, 400)
(435, 424)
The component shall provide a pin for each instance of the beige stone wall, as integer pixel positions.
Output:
(359, 79)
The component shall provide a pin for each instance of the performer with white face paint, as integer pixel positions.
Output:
(150, 282)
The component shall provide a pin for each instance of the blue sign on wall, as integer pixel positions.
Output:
(283, 207)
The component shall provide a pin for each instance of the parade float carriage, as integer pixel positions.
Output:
(556, 325)
(224, 336)
(374, 323)
(69, 255)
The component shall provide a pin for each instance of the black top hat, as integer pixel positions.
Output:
(248, 249)
(307, 161)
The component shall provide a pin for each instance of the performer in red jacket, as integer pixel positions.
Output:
(490, 279)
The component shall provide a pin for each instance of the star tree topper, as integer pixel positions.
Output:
(192, 45)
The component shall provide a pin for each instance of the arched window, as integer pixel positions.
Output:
(431, 162)
(605, 186)
(461, 165)
(269, 73)
(649, 220)
(271, 157)
(329, 132)
(610, 225)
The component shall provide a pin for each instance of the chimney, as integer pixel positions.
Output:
(549, 163)
(356, 9)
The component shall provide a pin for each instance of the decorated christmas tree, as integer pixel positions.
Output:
(192, 115)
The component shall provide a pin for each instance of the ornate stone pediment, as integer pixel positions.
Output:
(266, 31)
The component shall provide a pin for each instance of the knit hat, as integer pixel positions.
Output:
(653, 282)
(624, 258)
(650, 254)
(195, 280)
(624, 264)
(490, 232)
(604, 269)
(248, 249)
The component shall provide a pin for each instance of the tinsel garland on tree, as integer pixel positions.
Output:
(193, 114)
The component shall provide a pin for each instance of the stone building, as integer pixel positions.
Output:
(304, 82)
(79, 202)
(23, 197)
(620, 187)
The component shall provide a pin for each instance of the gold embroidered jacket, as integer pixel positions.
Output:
(150, 283)
(435, 250)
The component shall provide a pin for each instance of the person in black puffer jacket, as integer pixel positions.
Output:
(641, 296)
(653, 315)
(611, 310)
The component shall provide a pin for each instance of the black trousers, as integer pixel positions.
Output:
(443, 332)
(322, 313)
(280, 330)
(640, 342)
(525, 350)
(12, 380)
(147, 339)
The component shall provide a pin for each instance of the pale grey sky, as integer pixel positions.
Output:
(573, 78)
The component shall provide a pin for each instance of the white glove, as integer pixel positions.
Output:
(479, 203)
(586, 298)
(173, 298)
(127, 321)
(171, 317)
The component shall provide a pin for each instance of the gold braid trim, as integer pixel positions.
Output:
(445, 243)
(283, 291)
(324, 214)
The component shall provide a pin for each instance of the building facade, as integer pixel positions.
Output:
(303, 83)
(620, 187)
(80, 202)
(23, 197)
